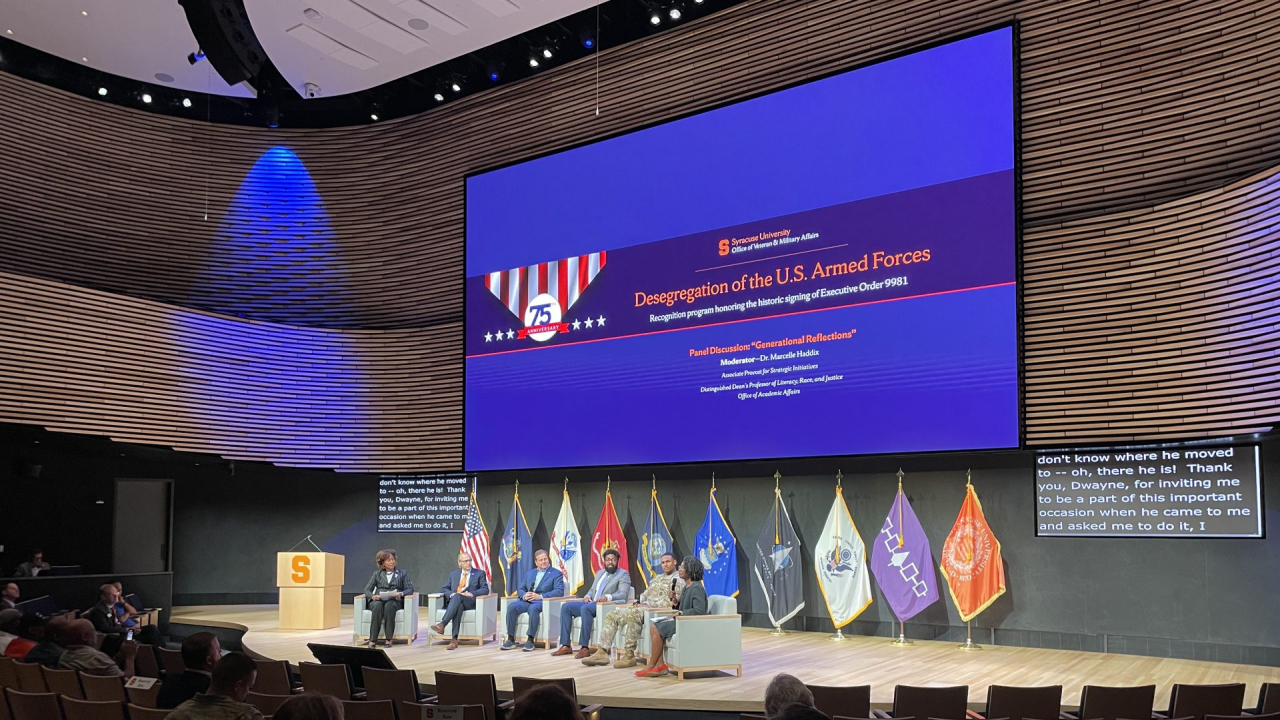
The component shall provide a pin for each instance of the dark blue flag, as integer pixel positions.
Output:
(655, 541)
(717, 548)
(517, 548)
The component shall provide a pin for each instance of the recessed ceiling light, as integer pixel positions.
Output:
(373, 117)
(8, 32)
(419, 24)
(102, 92)
(546, 54)
(533, 62)
(654, 20)
(186, 102)
(84, 59)
(439, 97)
(456, 87)
(146, 98)
(675, 13)
(84, 13)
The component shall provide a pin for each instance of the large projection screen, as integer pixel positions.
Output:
(829, 269)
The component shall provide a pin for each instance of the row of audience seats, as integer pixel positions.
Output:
(1097, 702)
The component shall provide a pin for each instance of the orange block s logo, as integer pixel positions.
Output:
(301, 568)
(724, 247)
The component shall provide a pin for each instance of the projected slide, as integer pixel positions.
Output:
(825, 270)
(1168, 491)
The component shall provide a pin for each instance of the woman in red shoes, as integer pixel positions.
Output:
(693, 601)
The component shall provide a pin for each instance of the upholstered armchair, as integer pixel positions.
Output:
(480, 624)
(551, 618)
(707, 642)
(544, 636)
(406, 620)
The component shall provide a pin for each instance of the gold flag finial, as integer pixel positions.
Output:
(566, 483)
(900, 476)
(777, 481)
(968, 477)
(517, 487)
(655, 484)
(608, 483)
(839, 479)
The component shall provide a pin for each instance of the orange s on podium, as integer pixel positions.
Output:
(310, 589)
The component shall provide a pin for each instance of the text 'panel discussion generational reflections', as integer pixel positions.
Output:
(639, 359)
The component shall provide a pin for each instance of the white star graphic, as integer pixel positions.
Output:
(488, 337)
(575, 324)
(588, 322)
(600, 321)
(511, 334)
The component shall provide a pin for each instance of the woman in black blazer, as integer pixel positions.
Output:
(386, 591)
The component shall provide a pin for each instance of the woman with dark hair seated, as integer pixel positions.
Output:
(310, 706)
(385, 596)
(693, 601)
(545, 702)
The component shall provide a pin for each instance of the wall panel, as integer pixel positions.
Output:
(1149, 130)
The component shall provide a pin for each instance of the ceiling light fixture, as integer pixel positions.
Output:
(546, 53)
(373, 117)
(456, 87)
(146, 98)
(588, 43)
(102, 92)
(439, 97)
(493, 77)
(84, 13)
(655, 20)
(84, 59)
(675, 13)
(186, 102)
(533, 62)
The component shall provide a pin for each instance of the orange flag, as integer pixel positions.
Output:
(971, 560)
(608, 534)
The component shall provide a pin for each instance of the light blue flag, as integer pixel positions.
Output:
(517, 548)
(717, 548)
(655, 541)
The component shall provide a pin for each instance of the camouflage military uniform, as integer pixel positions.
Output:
(631, 618)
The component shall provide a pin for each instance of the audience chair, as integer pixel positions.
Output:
(1103, 702)
(1196, 701)
(144, 663)
(63, 682)
(74, 709)
(1266, 716)
(469, 712)
(274, 677)
(480, 624)
(398, 686)
(99, 688)
(1268, 697)
(170, 662)
(707, 642)
(30, 678)
(137, 712)
(372, 710)
(406, 629)
(266, 704)
(146, 698)
(466, 689)
(33, 706)
(849, 701)
(8, 675)
(332, 680)
(943, 703)
(522, 685)
(4, 705)
(1024, 703)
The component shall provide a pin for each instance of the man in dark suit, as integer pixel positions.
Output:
(540, 582)
(200, 652)
(9, 596)
(103, 615)
(460, 593)
(386, 591)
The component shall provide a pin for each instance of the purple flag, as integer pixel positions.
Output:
(903, 563)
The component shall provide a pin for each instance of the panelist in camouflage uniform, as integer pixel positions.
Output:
(661, 594)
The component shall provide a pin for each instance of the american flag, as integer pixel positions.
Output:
(563, 279)
(475, 539)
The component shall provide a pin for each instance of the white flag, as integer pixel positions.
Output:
(566, 544)
(840, 559)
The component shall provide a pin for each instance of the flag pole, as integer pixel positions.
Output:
(968, 624)
(839, 636)
(777, 497)
(902, 640)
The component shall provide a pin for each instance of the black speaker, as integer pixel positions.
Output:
(226, 37)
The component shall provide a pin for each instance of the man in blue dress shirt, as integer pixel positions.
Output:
(540, 582)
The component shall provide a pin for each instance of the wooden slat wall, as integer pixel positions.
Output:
(1135, 115)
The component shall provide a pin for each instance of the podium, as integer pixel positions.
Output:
(310, 589)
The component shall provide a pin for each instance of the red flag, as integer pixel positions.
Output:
(971, 560)
(608, 534)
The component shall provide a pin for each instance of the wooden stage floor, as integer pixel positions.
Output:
(809, 656)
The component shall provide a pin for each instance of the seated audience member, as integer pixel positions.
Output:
(800, 711)
(11, 645)
(9, 596)
(34, 566)
(611, 584)
(784, 690)
(200, 654)
(385, 593)
(81, 653)
(541, 581)
(103, 615)
(545, 702)
(48, 636)
(126, 613)
(232, 677)
(693, 601)
(460, 593)
(310, 706)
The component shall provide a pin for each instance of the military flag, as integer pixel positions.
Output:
(566, 555)
(608, 536)
(840, 561)
(517, 548)
(717, 548)
(655, 540)
(778, 566)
